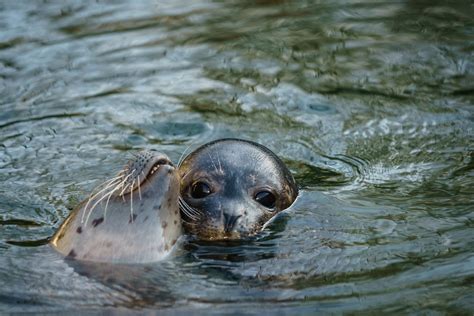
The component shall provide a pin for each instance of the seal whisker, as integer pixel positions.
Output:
(105, 183)
(139, 190)
(187, 206)
(118, 186)
(93, 197)
(104, 186)
(189, 211)
(183, 157)
(184, 206)
(121, 185)
(212, 160)
(184, 219)
(219, 162)
(131, 202)
(186, 174)
(126, 178)
(108, 199)
(123, 190)
(95, 204)
(189, 224)
(131, 174)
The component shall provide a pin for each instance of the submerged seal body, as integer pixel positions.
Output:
(132, 218)
(231, 187)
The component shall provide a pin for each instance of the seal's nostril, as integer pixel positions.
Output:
(162, 162)
(230, 221)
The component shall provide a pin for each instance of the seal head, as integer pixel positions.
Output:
(132, 218)
(231, 187)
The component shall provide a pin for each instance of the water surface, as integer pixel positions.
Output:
(371, 105)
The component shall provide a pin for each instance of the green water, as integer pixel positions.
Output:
(371, 105)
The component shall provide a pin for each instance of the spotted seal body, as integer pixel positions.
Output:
(231, 188)
(133, 218)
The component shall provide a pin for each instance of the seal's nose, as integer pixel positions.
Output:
(164, 161)
(230, 221)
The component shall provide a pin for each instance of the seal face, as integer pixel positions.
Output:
(132, 218)
(230, 188)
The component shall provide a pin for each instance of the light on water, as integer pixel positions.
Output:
(370, 104)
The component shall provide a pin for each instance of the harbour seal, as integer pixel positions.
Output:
(231, 188)
(132, 218)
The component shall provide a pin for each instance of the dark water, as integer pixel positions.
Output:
(371, 104)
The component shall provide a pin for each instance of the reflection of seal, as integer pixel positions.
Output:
(134, 217)
(232, 188)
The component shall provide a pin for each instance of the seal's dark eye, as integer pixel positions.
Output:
(265, 198)
(200, 190)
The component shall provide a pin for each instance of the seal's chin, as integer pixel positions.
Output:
(209, 232)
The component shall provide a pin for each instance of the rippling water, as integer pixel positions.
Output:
(371, 104)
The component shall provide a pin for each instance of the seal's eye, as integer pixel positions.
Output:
(265, 198)
(200, 190)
